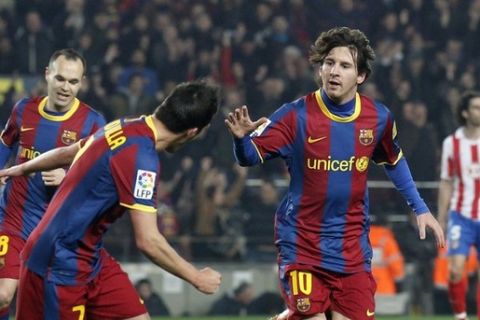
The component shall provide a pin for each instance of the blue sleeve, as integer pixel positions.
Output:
(245, 152)
(5, 153)
(401, 177)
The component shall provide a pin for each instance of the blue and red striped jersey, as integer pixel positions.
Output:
(34, 130)
(323, 219)
(117, 168)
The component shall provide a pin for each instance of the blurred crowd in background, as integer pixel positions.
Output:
(257, 51)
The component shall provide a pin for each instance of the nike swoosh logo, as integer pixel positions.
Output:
(313, 140)
(370, 313)
(23, 129)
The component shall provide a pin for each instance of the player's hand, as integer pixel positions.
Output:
(208, 281)
(53, 177)
(428, 220)
(14, 171)
(280, 316)
(240, 124)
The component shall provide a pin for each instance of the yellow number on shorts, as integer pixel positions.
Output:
(4, 245)
(301, 280)
(81, 310)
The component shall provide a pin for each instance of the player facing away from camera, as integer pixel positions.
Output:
(65, 269)
(327, 139)
(458, 198)
(35, 126)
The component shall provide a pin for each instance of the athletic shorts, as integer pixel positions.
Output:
(462, 233)
(110, 295)
(10, 247)
(309, 290)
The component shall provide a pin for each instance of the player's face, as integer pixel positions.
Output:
(472, 114)
(339, 74)
(64, 79)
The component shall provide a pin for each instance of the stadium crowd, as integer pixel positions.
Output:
(138, 50)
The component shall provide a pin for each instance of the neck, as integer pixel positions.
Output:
(50, 106)
(164, 136)
(472, 132)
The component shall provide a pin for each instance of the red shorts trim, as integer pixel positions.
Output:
(308, 290)
(10, 247)
(110, 295)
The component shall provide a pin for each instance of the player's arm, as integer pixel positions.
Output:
(149, 240)
(401, 177)
(55, 158)
(445, 192)
(240, 126)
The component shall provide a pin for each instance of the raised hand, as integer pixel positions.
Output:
(240, 124)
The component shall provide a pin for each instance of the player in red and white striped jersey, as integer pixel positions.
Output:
(459, 195)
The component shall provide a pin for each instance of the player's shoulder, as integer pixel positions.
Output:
(457, 134)
(374, 103)
(86, 107)
(28, 102)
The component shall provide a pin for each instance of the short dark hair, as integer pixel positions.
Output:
(344, 37)
(464, 104)
(69, 54)
(189, 105)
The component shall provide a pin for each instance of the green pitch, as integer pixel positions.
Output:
(265, 318)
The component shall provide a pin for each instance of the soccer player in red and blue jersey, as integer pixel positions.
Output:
(66, 272)
(327, 139)
(35, 126)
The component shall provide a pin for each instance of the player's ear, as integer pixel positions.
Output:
(464, 114)
(47, 72)
(192, 132)
(361, 78)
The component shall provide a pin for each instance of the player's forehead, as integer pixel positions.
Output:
(67, 68)
(341, 54)
(475, 103)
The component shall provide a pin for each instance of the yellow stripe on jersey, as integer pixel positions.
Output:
(83, 149)
(66, 116)
(258, 151)
(400, 155)
(140, 207)
(323, 107)
(151, 124)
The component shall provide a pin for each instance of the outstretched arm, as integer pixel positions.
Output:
(53, 159)
(158, 250)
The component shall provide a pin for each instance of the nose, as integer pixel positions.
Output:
(334, 69)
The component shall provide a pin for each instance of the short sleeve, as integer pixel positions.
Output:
(447, 162)
(135, 173)
(388, 150)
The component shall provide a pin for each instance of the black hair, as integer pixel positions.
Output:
(189, 105)
(464, 104)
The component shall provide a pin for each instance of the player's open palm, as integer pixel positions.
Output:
(240, 124)
(208, 281)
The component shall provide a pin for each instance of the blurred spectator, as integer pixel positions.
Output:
(235, 304)
(261, 205)
(152, 301)
(132, 100)
(387, 262)
(33, 45)
(216, 218)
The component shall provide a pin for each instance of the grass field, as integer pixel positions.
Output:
(264, 318)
